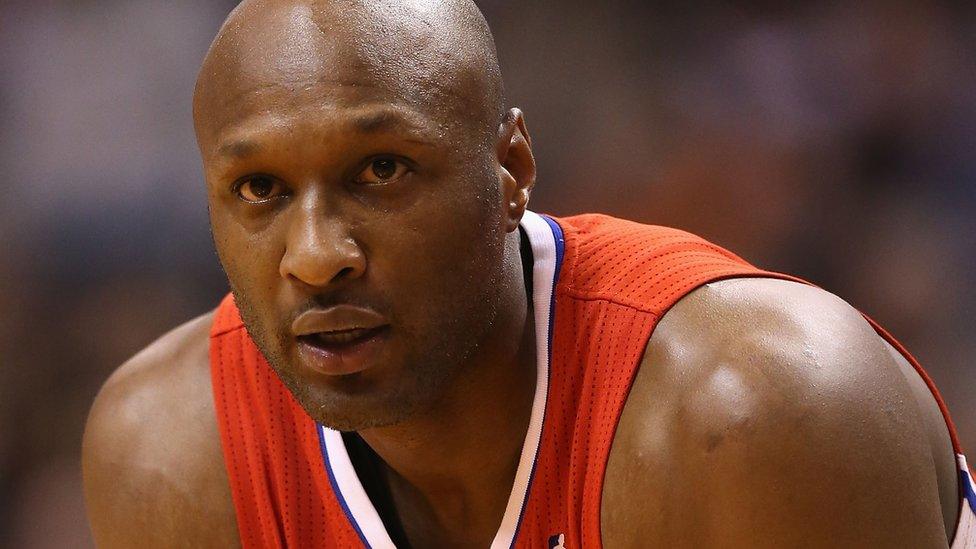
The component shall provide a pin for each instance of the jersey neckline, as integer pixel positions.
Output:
(546, 240)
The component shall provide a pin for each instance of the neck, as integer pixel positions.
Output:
(452, 467)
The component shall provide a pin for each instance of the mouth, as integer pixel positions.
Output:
(342, 352)
(339, 339)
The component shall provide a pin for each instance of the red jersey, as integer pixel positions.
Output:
(600, 285)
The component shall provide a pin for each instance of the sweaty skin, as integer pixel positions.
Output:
(359, 159)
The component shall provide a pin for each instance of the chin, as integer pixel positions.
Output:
(355, 414)
(393, 389)
(352, 402)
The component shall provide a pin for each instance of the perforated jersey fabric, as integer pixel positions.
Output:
(611, 282)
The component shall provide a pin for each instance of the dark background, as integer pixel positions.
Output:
(829, 140)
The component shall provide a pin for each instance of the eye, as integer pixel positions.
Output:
(258, 189)
(382, 170)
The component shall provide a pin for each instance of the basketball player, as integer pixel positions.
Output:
(411, 357)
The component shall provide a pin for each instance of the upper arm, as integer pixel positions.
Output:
(768, 413)
(151, 457)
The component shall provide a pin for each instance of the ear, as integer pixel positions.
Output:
(516, 166)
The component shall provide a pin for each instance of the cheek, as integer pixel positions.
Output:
(250, 259)
(446, 253)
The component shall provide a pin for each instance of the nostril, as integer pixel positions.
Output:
(344, 273)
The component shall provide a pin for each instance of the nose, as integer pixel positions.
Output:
(319, 250)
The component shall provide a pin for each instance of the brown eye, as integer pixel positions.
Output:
(258, 189)
(382, 170)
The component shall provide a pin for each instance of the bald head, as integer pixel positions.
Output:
(432, 55)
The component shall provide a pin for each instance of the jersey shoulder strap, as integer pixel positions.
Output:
(282, 492)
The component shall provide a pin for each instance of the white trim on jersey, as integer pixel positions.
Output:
(543, 244)
(351, 493)
(965, 534)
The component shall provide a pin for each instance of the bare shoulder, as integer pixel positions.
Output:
(151, 456)
(770, 413)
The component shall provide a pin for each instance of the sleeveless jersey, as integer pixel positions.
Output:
(600, 285)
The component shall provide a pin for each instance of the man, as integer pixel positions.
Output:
(411, 357)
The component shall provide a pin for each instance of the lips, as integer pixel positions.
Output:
(340, 340)
(337, 319)
(337, 338)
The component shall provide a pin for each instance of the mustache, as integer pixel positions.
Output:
(332, 299)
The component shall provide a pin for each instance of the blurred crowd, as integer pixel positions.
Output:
(832, 140)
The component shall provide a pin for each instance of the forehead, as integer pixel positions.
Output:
(292, 59)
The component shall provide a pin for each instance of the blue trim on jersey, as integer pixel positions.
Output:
(557, 233)
(966, 482)
(335, 487)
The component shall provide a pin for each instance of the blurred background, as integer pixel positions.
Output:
(830, 140)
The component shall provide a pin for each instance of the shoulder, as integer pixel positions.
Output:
(603, 234)
(769, 413)
(636, 265)
(152, 462)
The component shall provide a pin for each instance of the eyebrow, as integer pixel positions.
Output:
(381, 120)
(239, 148)
(367, 124)
(386, 120)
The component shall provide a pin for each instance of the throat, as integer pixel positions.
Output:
(441, 515)
(447, 481)
(372, 473)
